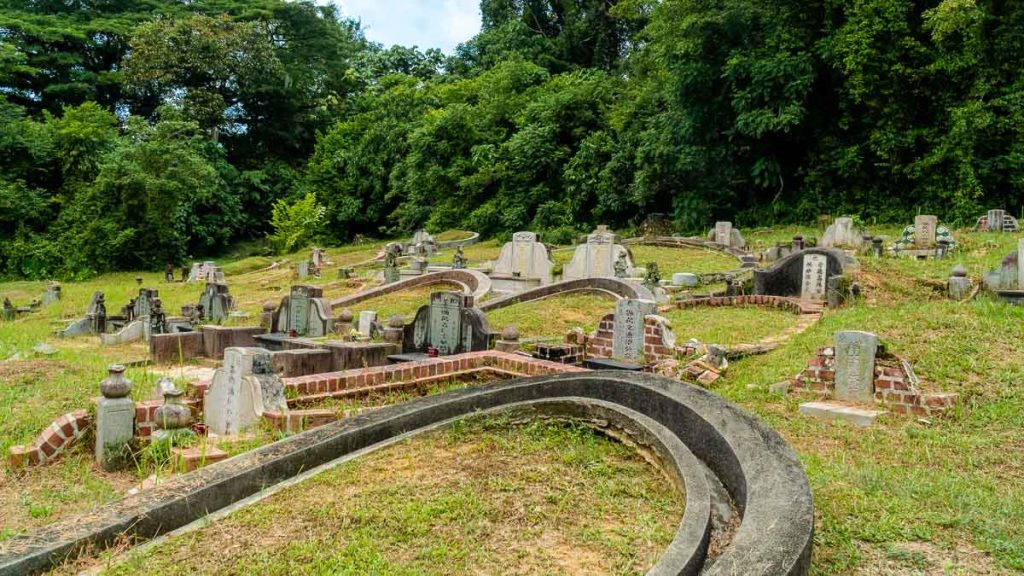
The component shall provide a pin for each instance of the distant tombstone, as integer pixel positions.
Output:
(298, 308)
(959, 284)
(814, 277)
(215, 274)
(52, 295)
(302, 269)
(448, 324)
(525, 257)
(144, 303)
(241, 391)
(215, 302)
(367, 322)
(318, 258)
(196, 272)
(596, 258)
(304, 311)
(842, 234)
(685, 280)
(94, 303)
(855, 366)
(997, 221)
(924, 230)
(723, 233)
(628, 328)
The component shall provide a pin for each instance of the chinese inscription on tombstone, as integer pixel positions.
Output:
(855, 365)
(628, 328)
(814, 277)
(924, 231)
(445, 321)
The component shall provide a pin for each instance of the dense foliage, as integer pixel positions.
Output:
(140, 132)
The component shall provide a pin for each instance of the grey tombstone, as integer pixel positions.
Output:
(815, 277)
(925, 227)
(995, 220)
(367, 320)
(241, 391)
(52, 294)
(302, 268)
(524, 257)
(115, 427)
(685, 280)
(298, 309)
(596, 258)
(628, 328)
(855, 366)
(445, 321)
(842, 234)
(723, 233)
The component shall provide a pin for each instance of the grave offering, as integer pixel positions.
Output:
(173, 418)
(596, 258)
(1007, 281)
(215, 303)
(304, 312)
(449, 324)
(808, 274)
(241, 391)
(115, 418)
(997, 221)
(524, 263)
(843, 234)
(925, 239)
(723, 233)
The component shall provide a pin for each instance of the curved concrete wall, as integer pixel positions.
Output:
(474, 283)
(757, 468)
(616, 287)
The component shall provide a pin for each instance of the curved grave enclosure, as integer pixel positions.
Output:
(616, 287)
(473, 283)
(696, 433)
(791, 276)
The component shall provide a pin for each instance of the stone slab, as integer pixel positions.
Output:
(855, 366)
(832, 411)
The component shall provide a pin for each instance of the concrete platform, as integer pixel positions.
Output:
(832, 411)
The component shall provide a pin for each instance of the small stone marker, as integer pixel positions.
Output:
(685, 280)
(367, 319)
(959, 284)
(855, 366)
(842, 234)
(628, 328)
(831, 411)
(924, 230)
(115, 417)
(723, 233)
(814, 277)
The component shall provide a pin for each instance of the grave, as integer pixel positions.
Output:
(524, 263)
(449, 324)
(855, 366)
(52, 295)
(924, 239)
(807, 274)
(843, 234)
(724, 234)
(368, 323)
(628, 336)
(215, 303)
(597, 257)
(1007, 281)
(206, 272)
(304, 312)
(997, 221)
(241, 391)
(94, 321)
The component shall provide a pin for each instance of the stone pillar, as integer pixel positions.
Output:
(798, 243)
(344, 325)
(267, 316)
(509, 341)
(115, 418)
(942, 248)
(959, 284)
(395, 331)
(876, 247)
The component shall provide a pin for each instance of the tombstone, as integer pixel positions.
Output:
(725, 234)
(241, 391)
(448, 324)
(459, 260)
(959, 285)
(628, 328)
(524, 257)
(924, 230)
(216, 303)
(304, 311)
(685, 280)
(842, 234)
(876, 246)
(855, 366)
(302, 269)
(144, 303)
(215, 274)
(803, 274)
(52, 295)
(368, 323)
(997, 221)
(814, 277)
(318, 258)
(596, 258)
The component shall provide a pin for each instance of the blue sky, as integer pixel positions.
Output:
(424, 23)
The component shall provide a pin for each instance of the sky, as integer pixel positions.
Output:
(423, 23)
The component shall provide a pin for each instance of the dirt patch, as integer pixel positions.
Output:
(924, 559)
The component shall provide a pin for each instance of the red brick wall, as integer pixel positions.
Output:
(62, 433)
(655, 348)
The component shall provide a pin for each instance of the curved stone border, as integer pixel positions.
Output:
(64, 431)
(473, 282)
(683, 242)
(456, 243)
(616, 287)
(755, 465)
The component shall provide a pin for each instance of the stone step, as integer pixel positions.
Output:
(189, 459)
(833, 411)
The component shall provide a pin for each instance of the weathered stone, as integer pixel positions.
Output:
(367, 323)
(924, 230)
(215, 303)
(449, 324)
(855, 366)
(596, 258)
(814, 277)
(685, 280)
(628, 328)
(305, 312)
(788, 277)
(241, 391)
(997, 221)
(525, 257)
(831, 411)
(115, 429)
(960, 285)
(725, 234)
(842, 234)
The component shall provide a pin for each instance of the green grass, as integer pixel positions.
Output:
(481, 497)
(404, 303)
(692, 260)
(554, 316)
(729, 326)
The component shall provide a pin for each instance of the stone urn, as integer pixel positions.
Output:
(115, 385)
(173, 414)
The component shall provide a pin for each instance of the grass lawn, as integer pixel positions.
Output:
(692, 260)
(404, 303)
(730, 325)
(485, 496)
(554, 316)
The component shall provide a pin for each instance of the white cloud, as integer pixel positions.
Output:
(424, 23)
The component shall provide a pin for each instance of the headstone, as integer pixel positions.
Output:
(596, 258)
(302, 269)
(815, 277)
(1020, 268)
(241, 391)
(628, 328)
(305, 312)
(924, 230)
(525, 257)
(115, 417)
(367, 320)
(52, 294)
(842, 234)
(855, 366)
(995, 220)
(723, 233)
(215, 302)
(445, 321)
(685, 280)
(448, 324)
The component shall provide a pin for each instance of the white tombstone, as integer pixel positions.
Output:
(723, 233)
(842, 234)
(241, 391)
(596, 258)
(815, 277)
(924, 230)
(855, 366)
(367, 318)
(995, 220)
(524, 257)
(628, 328)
